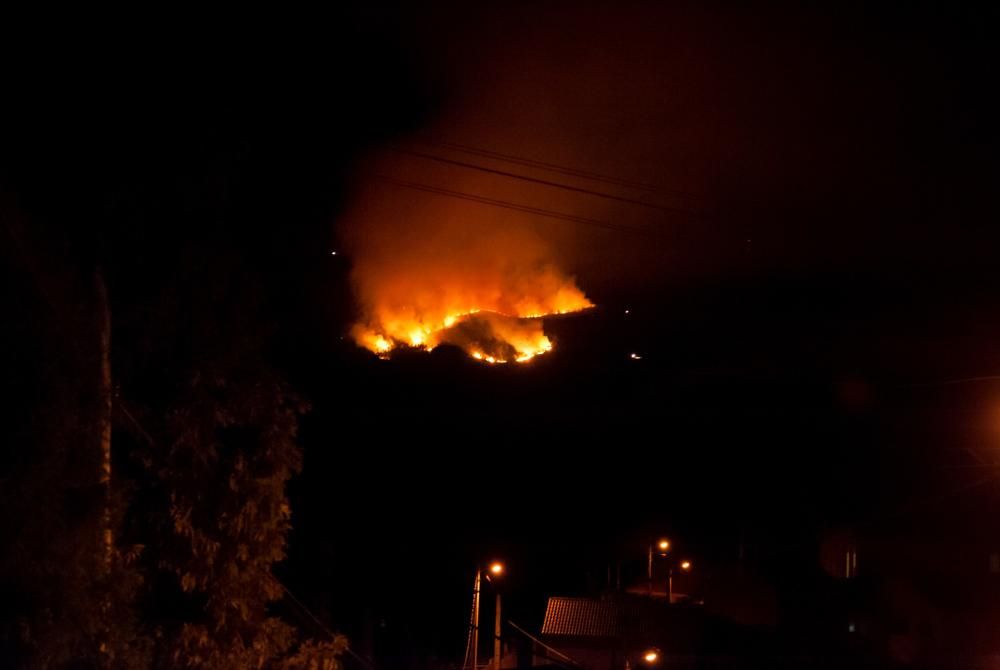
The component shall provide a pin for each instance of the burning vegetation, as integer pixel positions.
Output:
(428, 270)
(497, 323)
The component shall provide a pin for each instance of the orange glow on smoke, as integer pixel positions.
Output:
(427, 272)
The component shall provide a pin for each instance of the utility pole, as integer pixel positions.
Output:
(104, 393)
(684, 566)
(663, 546)
(496, 570)
(649, 571)
(497, 650)
(475, 619)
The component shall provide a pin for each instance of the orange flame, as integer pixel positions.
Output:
(429, 272)
(487, 334)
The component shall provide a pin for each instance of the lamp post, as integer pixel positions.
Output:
(685, 566)
(474, 644)
(662, 546)
(496, 571)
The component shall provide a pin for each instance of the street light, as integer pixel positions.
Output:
(494, 571)
(663, 546)
(651, 656)
(497, 570)
(474, 628)
(685, 566)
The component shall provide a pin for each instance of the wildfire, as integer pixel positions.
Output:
(501, 332)
(427, 272)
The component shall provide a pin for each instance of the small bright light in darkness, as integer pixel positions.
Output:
(333, 253)
(496, 568)
(626, 312)
(635, 357)
(685, 565)
(663, 545)
(650, 656)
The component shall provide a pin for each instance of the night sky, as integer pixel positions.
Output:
(819, 268)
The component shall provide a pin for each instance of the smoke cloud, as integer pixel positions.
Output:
(428, 269)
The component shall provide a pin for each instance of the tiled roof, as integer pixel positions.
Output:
(581, 617)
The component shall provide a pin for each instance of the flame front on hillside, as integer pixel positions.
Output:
(427, 272)
(494, 324)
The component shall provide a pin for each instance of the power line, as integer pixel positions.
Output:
(921, 503)
(560, 169)
(504, 204)
(323, 627)
(288, 592)
(962, 380)
(545, 182)
(559, 654)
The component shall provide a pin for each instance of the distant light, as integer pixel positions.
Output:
(333, 253)
(635, 357)
(626, 312)
(650, 656)
(850, 627)
(685, 565)
(663, 544)
(496, 568)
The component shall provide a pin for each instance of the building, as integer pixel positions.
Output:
(617, 631)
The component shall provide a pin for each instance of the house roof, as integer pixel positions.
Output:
(620, 616)
(582, 617)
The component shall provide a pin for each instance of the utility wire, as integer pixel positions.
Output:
(135, 423)
(288, 592)
(607, 225)
(921, 503)
(559, 169)
(534, 639)
(546, 182)
(322, 626)
(963, 380)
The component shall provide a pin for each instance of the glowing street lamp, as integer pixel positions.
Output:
(496, 571)
(651, 656)
(685, 566)
(662, 546)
